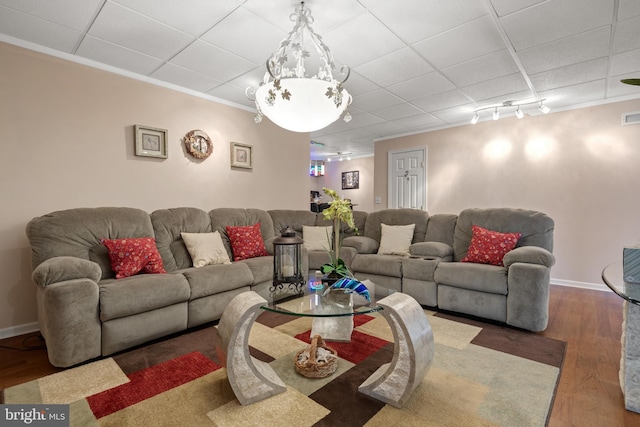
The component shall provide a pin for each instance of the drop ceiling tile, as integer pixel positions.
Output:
(440, 101)
(377, 99)
(627, 35)
(252, 79)
(506, 7)
(628, 9)
(352, 43)
(415, 20)
(232, 93)
(463, 43)
(357, 85)
(461, 114)
(496, 87)
(361, 120)
(421, 121)
(571, 50)
(192, 17)
(384, 128)
(327, 14)
(58, 12)
(212, 61)
(394, 67)
(35, 30)
(183, 77)
(574, 95)
(421, 87)
(124, 27)
(625, 62)
(118, 56)
(487, 67)
(247, 35)
(398, 111)
(572, 74)
(555, 19)
(616, 88)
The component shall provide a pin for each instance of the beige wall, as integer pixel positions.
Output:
(362, 197)
(581, 167)
(66, 132)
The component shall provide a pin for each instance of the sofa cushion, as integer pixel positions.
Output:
(295, 219)
(373, 229)
(489, 247)
(476, 277)
(261, 268)
(395, 239)
(536, 228)
(214, 279)
(77, 233)
(317, 238)
(133, 255)
(168, 224)
(246, 241)
(384, 265)
(205, 248)
(223, 217)
(139, 294)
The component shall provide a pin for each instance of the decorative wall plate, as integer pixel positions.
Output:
(198, 144)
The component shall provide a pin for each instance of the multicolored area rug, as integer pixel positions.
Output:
(482, 375)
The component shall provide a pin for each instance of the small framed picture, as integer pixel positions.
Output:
(350, 180)
(150, 142)
(241, 155)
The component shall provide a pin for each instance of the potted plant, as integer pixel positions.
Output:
(339, 211)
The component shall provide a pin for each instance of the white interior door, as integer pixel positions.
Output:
(407, 179)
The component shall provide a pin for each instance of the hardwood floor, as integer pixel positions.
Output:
(588, 391)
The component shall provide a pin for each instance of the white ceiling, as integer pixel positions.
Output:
(417, 65)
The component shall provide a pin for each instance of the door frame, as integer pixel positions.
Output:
(425, 157)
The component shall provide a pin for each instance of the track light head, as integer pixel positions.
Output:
(496, 114)
(543, 108)
(519, 113)
(475, 118)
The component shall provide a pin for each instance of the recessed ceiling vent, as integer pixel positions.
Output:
(631, 118)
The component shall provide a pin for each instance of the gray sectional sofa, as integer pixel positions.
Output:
(84, 312)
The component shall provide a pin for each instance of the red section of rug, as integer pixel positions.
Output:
(151, 382)
(360, 347)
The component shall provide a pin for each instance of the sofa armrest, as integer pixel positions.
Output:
(431, 249)
(63, 268)
(362, 244)
(529, 255)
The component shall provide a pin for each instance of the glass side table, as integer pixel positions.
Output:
(612, 276)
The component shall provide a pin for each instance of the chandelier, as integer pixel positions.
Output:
(300, 90)
(509, 106)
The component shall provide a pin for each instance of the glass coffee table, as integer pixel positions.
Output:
(332, 309)
(253, 380)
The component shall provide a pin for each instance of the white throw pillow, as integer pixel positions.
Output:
(206, 248)
(317, 238)
(396, 239)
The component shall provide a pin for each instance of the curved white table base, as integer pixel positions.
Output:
(413, 352)
(252, 380)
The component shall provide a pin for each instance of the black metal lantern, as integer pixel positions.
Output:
(287, 261)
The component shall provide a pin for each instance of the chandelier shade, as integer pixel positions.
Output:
(302, 89)
(308, 109)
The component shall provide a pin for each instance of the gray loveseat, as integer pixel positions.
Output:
(84, 312)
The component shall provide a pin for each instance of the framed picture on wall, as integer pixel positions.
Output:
(350, 180)
(241, 155)
(150, 142)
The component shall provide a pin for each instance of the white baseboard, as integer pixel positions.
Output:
(18, 330)
(583, 285)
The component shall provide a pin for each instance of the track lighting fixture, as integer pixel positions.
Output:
(509, 105)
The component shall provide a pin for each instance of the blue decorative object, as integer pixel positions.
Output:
(350, 285)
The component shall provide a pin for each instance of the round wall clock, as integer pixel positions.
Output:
(198, 144)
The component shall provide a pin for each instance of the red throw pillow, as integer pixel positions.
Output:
(130, 256)
(489, 247)
(246, 241)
